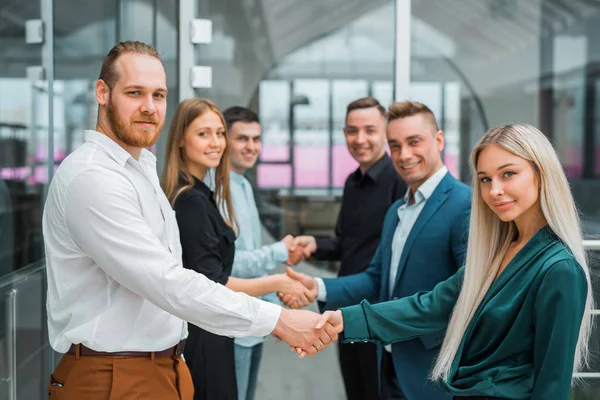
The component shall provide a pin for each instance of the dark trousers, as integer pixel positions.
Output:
(390, 387)
(358, 363)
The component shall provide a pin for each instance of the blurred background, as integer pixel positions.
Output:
(298, 63)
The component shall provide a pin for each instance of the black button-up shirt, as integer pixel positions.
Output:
(365, 201)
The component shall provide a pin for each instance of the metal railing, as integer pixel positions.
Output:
(11, 335)
(590, 245)
(9, 291)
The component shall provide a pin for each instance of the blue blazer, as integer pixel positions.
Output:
(434, 251)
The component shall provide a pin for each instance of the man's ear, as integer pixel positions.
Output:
(102, 92)
(439, 138)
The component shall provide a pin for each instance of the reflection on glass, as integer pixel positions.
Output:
(533, 62)
(273, 100)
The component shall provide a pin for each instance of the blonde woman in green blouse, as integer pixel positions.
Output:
(518, 313)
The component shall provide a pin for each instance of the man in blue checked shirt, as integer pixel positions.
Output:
(252, 259)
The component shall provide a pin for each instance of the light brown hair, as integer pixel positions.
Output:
(108, 72)
(365, 102)
(407, 108)
(176, 178)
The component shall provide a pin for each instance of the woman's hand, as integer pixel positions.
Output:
(332, 323)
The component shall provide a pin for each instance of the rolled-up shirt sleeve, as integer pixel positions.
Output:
(199, 236)
(104, 218)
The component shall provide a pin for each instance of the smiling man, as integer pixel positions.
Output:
(423, 242)
(368, 193)
(252, 258)
(118, 295)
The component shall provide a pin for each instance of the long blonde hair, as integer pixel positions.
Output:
(176, 178)
(489, 237)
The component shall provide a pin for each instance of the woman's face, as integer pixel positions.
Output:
(204, 143)
(509, 184)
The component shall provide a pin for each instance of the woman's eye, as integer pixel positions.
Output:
(508, 174)
(484, 180)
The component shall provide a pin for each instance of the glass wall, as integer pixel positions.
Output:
(299, 72)
(532, 61)
(475, 63)
(48, 100)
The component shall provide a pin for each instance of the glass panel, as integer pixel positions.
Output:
(24, 297)
(311, 133)
(274, 100)
(23, 138)
(384, 92)
(520, 61)
(343, 93)
(81, 46)
(530, 61)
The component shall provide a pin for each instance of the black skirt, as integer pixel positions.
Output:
(211, 361)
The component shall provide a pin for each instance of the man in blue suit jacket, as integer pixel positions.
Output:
(423, 242)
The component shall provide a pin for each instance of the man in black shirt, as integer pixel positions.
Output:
(368, 193)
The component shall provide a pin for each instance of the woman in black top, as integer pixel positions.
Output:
(197, 142)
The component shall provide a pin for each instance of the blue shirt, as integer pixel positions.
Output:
(252, 259)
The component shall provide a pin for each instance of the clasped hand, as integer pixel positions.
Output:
(307, 332)
(330, 321)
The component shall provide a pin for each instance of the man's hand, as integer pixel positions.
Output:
(335, 318)
(308, 243)
(295, 253)
(307, 281)
(302, 295)
(298, 329)
(295, 256)
(331, 321)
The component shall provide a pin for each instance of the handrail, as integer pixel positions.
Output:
(591, 244)
(21, 274)
(11, 335)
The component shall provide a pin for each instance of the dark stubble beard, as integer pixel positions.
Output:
(126, 134)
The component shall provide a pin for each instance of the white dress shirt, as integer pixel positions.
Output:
(115, 276)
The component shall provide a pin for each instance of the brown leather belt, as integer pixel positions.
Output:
(81, 350)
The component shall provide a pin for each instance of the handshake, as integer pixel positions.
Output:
(299, 248)
(297, 290)
(305, 331)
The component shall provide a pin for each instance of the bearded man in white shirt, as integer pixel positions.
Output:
(118, 296)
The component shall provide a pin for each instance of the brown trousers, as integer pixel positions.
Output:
(120, 378)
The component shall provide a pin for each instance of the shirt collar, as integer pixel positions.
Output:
(119, 154)
(203, 187)
(235, 177)
(426, 189)
(375, 171)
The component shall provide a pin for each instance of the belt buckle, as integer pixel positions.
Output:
(179, 348)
